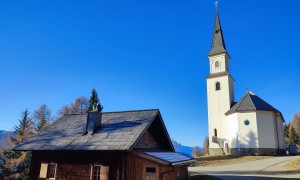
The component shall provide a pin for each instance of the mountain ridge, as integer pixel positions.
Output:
(186, 150)
(4, 135)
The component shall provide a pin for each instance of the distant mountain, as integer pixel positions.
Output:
(186, 150)
(4, 135)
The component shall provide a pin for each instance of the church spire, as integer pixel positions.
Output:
(218, 43)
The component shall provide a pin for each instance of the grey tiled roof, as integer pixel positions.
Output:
(170, 157)
(218, 43)
(119, 131)
(251, 102)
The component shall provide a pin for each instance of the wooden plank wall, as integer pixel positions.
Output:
(69, 162)
(178, 173)
(77, 165)
(73, 172)
(135, 167)
(147, 141)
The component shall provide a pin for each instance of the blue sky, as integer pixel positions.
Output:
(145, 55)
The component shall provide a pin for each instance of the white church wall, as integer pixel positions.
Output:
(223, 66)
(266, 129)
(280, 128)
(247, 134)
(233, 130)
(218, 104)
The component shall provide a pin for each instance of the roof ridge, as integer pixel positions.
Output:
(252, 99)
(115, 111)
(131, 111)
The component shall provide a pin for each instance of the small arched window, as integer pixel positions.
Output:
(215, 132)
(217, 64)
(218, 86)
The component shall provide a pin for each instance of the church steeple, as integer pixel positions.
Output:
(218, 43)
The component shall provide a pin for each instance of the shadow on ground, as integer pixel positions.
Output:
(231, 177)
(203, 177)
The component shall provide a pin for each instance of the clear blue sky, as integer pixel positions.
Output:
(144, 55)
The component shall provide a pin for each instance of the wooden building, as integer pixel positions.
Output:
(132, 145)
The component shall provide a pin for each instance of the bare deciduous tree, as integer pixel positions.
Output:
(42, 115)
(295, 123)
(196, 152)
(205, 146)
(80, 106)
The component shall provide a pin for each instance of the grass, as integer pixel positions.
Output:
(225, 159)
(293, 165)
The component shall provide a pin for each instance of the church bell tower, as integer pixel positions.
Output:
(220, 91)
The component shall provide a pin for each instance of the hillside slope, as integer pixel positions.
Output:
(4, 135)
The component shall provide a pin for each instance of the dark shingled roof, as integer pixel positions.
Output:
(218, 43)
(251, 102)
(172, 158)
(119, 131)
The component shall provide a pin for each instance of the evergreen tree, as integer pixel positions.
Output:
(25, 129)
(15, 164)
(94, 100)
(286, 130)
(293, 137)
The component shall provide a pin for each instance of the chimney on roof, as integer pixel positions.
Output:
(93, 120)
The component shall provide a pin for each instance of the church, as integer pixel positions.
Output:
(250, 126)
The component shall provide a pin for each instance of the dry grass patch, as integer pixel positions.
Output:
(293, 165)
(225, 159)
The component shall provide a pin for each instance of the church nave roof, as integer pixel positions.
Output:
(251, 102)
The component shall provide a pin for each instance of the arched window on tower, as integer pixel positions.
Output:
(215, 133)
(218, 86)
(217, 64)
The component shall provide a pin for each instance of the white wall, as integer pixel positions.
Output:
(280, 129)
(233, 130)
(218, 104)
(223, 61)
(247, 134)
(260, 133)
(267, 130)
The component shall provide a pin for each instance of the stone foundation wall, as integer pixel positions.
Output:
(215, 151)
(255, 151)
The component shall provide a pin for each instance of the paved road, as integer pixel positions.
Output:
(259, 169)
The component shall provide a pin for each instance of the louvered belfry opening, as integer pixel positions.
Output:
(93, 122)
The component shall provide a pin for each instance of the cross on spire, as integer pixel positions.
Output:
(216, 4)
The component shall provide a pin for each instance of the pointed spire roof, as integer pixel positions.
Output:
(251, 102)
(218, 43)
